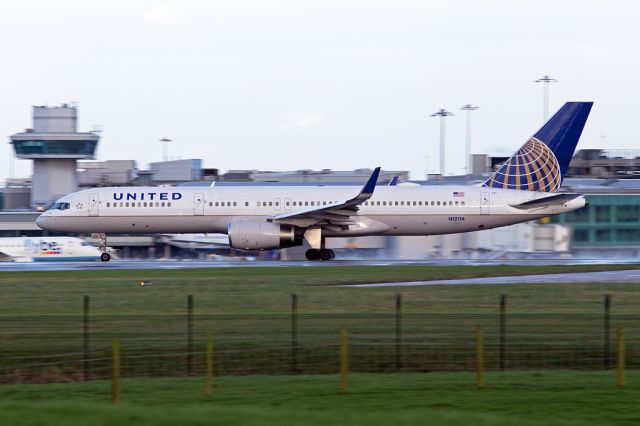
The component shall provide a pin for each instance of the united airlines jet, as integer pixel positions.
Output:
(524, 188)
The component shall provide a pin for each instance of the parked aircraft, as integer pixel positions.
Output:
(39, 249)
(524, 188)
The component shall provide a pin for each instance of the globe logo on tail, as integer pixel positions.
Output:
(534, 167)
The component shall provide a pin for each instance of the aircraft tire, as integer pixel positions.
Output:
(105, 257)
(312, 254)
(326, 254)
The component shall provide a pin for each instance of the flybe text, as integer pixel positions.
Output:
(146, 196)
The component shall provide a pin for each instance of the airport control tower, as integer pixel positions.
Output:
(54, 145)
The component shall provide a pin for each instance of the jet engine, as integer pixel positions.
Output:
(260, 235)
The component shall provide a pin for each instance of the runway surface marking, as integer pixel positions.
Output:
(630, 276)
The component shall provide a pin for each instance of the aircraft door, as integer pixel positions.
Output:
(287, 204)
(198, 204)
(94, 202)
(485, 203)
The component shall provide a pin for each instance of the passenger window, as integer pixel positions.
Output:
(432, 203)
(306, 203)
(217, 203)
(126, 204)
(235, 204)
(169, 204)
(419, 203)
(246, 204)
(438, 202)
(162, 204)
(312, 203)
(270, 203)
(462, 202)
(277, 204)
(397, 203)
(450, 203)
(210, 204)
(456, 203)
(384, 203)
(107, 204)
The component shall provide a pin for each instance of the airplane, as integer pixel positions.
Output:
(39, 249)
(524, 188)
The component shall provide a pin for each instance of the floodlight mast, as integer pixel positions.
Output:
(165, 148)
(545, 79)
(442, 113)
(468, 108)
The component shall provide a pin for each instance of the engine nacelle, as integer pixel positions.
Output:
(260, 235)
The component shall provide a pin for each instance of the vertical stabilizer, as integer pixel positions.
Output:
(541, 163)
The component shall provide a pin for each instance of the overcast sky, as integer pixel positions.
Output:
(301, 84)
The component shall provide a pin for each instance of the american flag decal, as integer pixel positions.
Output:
(458, 194)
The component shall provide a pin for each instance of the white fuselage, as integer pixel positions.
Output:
(40, 249)
(392, 210)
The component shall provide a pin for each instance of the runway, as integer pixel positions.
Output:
(221, 262)
(629, 276)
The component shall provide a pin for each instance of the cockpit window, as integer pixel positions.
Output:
(61, 206)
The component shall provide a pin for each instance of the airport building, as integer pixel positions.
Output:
(55, 146)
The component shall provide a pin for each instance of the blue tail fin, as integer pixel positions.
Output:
(541, 163)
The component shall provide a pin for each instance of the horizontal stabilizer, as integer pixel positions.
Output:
(546, 201)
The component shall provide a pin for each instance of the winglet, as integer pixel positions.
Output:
(393, 181)
(368, 187)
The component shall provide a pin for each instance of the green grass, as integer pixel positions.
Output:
(267, 290)
(248, 310)
(514, 398)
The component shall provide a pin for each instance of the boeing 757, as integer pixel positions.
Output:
(524, 188)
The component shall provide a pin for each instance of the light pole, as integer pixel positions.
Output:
(468, 108)
(442, 113)
(545, 80)
(165, 148)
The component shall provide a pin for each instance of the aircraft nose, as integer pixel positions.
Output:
(42, 221)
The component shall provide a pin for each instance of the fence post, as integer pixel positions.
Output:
(503, 332)
(208, 383)
(479, 357)
(398, 332)
(294, 333)
(607, 332)
(85, 337)
(620, 363)
(190, 335)
(115, 371)
(344, 359)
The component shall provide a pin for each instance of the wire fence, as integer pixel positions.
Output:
(41, 349)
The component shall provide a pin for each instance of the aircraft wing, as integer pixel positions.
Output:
(546, 201)
(336, 215)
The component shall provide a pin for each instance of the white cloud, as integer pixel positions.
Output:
(294, 120)
(163, 15)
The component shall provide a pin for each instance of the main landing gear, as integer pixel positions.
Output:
(320, 254)
(105, 256)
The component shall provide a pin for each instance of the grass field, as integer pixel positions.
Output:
(267, 290)
(549, 327)
(558, 398)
